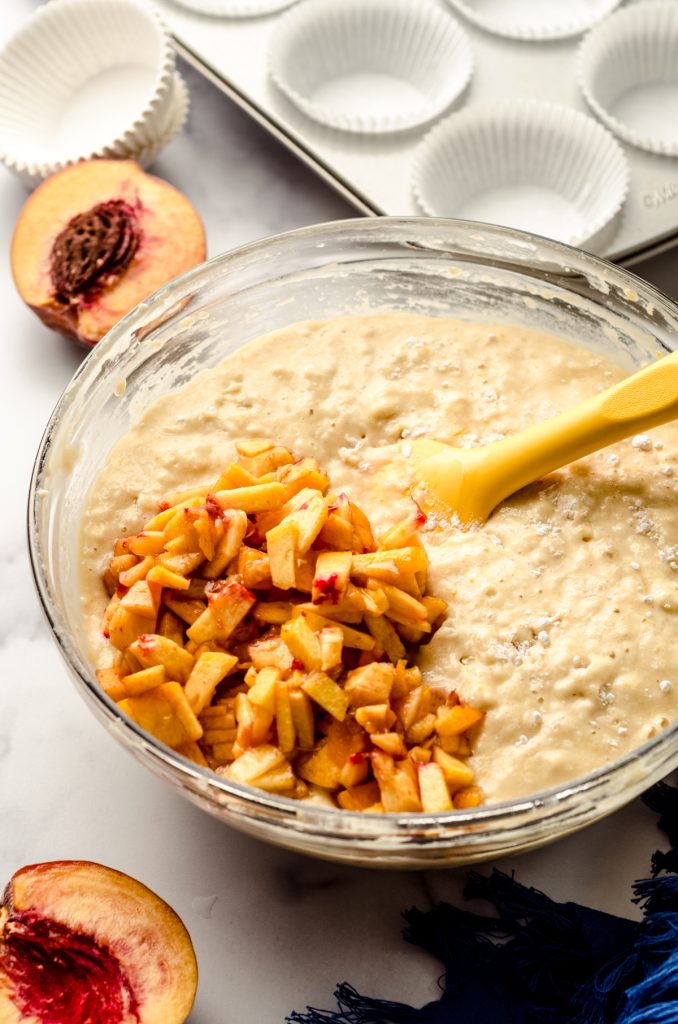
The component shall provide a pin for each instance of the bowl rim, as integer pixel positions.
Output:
(313, 816)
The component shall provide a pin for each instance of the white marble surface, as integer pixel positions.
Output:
(282, 930)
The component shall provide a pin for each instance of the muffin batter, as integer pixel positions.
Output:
(562, 607)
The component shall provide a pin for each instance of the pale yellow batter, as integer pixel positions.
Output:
(563, 607)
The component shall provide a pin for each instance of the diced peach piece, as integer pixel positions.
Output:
(360, 798)
(282, 543)
(405, 533)
(213, 737)
(165, 713)
(435, 608)
(457, 774)
(227, 605)
(283, 718)
(254, 567)
(375, 717)
(344, 739)
(137, 572)
(125, 626)
(351, 637)
(253, 720)
(272, 651)
(387, 564)
(148, 542)
(337, 533)
(153, 649)
(404, 605)
(331, 640)
(144, 680)
(328, 694)
(391, 743)
(421, 754)
(305, 475)
(121, 563)
(234, 476)
(367, 600)
(182, 564)
(185, 609)
(192, 752)
(331, 614)
(111, 683)
(310, 519)
(255, 498)
(355, 771)
(364, 540)
(319, 768)
(206, 674)
(142, 599)
(302, 642)
(167, 578)
(413, 706)
(263, 689)
(465, 799)
(266, 461)
(331, 576)
(235, 525)
(160, 520)
(397, 783)
(386, 636)
(223, 752)
(255, 763)
(171, 627)
(369, 684)
(456, 720)
(433, 790)
(420, 730)
(302, 718)
(273, 612)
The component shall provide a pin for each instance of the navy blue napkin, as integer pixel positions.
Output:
(535, 961)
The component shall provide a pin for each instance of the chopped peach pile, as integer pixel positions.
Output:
(261, 631)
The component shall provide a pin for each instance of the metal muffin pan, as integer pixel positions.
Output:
(373, 172)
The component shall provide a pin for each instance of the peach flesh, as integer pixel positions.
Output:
(112, 234)
(81, 943)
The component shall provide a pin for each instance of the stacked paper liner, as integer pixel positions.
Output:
(628, 73)
(534, 19)
(370, 65)
(84, 79)
(525, 164)
(235, 8)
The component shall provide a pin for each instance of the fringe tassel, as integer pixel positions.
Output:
(541, 962)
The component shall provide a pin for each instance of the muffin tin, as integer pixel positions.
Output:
(373, 168)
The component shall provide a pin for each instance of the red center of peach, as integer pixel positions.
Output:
(63, 977)
(94, 248)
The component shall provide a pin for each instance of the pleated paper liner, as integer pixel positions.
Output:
(235, 8)
(628, 73)
(534, 20)
(370, 65)
(81, 79)
(525, 164)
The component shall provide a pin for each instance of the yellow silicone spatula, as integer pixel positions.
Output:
(473, 481)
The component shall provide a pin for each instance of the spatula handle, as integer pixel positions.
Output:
(638, 403)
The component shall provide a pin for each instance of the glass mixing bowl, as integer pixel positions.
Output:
(432, 267)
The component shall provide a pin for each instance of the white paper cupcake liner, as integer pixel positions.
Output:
(235, 8)
(525, 164)
(534, 20)
(175, 121)
(370, 65)
(82, 79)
(628, 73)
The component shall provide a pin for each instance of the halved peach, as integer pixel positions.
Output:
(80, 942)
(95, 239)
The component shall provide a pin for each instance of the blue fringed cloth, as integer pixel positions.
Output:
(541, 962)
